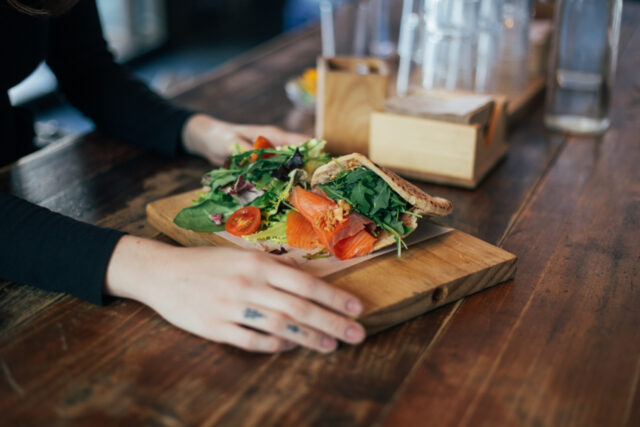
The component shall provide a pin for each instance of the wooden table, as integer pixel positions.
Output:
(559, 345)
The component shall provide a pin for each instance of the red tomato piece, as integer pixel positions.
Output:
(260, 143)
(244, 221)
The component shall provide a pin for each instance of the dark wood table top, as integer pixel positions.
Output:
(559, 345)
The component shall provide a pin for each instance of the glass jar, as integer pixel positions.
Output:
(582, 65)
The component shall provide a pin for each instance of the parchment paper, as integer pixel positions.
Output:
(326, 266)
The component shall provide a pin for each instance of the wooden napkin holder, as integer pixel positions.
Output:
(349, 90)
(439, 151)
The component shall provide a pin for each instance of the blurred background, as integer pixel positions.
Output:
(170, 43)
(165, 43)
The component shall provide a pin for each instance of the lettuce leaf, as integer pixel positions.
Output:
(276, 232)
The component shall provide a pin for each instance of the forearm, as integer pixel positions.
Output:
(119, 104)
(206, 136)
(134, 265)
(53, 252)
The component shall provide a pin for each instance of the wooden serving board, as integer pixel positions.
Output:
(428, 275)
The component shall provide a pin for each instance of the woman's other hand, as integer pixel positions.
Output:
(213, 139)
(227, 295)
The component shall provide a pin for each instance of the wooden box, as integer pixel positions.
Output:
(439, 151)
(349, 89)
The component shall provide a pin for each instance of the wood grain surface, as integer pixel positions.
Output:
(393, 290)
(558, 346)
(441, 151)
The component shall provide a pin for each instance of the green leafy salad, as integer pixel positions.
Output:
(261, 178)
(263, 195)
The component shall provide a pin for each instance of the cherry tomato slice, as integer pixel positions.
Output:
(261, 142)
(244, 221)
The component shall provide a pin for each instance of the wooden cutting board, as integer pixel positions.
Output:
(393, 290)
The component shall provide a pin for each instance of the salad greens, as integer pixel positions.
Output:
(198, 217)
(264, 178)
(276, 232)
(371, 196)
(264, 183)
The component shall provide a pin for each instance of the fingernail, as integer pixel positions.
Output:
(354, 306)
(354, 333)
(329, 343)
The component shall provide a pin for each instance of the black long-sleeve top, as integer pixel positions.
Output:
(39, 247)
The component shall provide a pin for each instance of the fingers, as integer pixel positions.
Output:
(289, 138)
(276, 135)
(281, 326)
(300, 283)
(308, 314)
(246, 339)
(284, 259)
(244, 143)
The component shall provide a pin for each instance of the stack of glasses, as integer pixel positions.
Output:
(470, 45)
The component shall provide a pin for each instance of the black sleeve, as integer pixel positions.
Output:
(120, 105)
(52, 252)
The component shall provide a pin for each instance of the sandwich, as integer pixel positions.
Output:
(365, 207)
(345, 207)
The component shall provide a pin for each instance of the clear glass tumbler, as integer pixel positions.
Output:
(449, 54)
(512, 70)
(381, 44)
(490, 30)
(356, 28)
(582, 65)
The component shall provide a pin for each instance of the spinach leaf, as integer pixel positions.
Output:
(359, 197)
(197, 217)
(335, 193)
(355, 176)
(223, 180)
(381, 201)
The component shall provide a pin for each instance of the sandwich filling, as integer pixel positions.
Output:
(371, 196)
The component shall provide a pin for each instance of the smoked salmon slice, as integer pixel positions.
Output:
(310, 205)
(300, 233)
(357, 245)
(332, 224)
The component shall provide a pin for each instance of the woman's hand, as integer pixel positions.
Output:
(212, 138)
(219, 293)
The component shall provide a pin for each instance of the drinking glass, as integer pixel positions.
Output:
(582, 65)
(437, 45)
(356, 28)
(449, 52)
(381, 44)
(513, 67)
(490, 23)
(410, 46)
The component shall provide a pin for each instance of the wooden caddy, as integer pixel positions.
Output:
(349, 90)
(439, 151)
